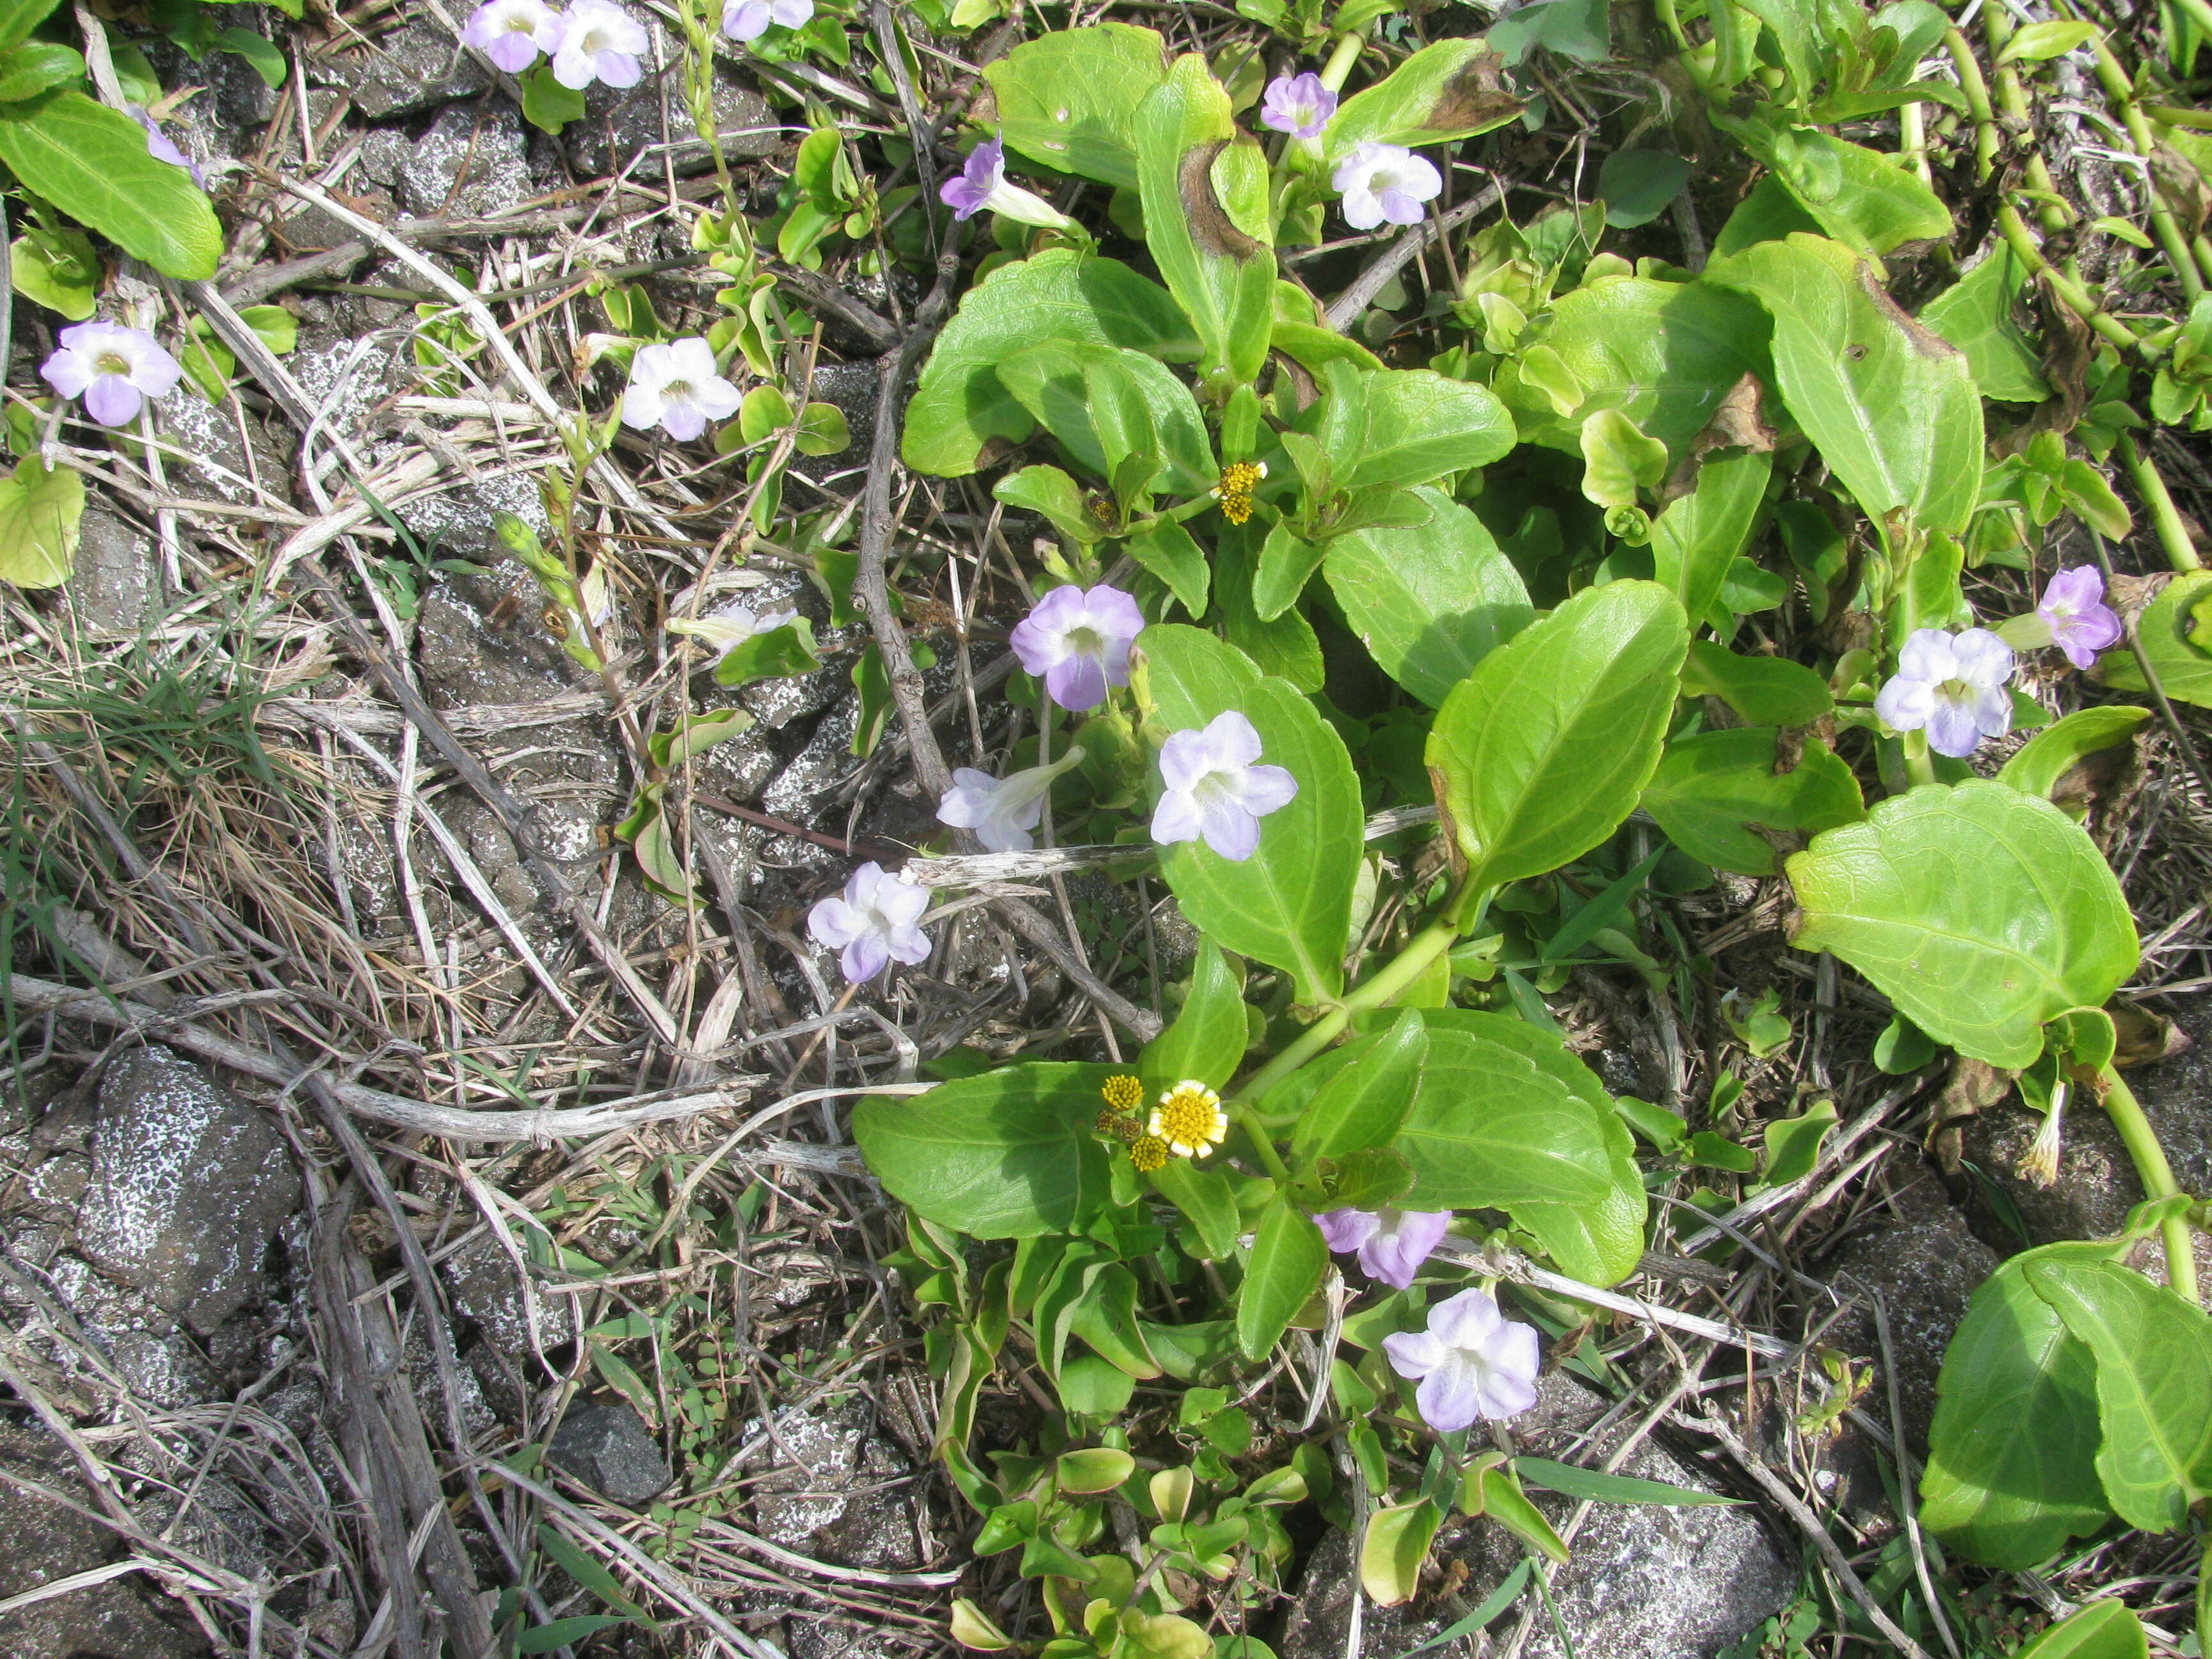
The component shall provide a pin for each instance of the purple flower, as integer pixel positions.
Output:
(162, 148)
(1392, 1243)
(1077, 642)
(1954, 686)
(1384, 183)
(748, 20)
(1214, 789)
(1298, 105)
(113, 368)
(982, 184)
(598, 41)
(512, 32)
(677, 387)
(2081, 623)
(1472, 1362)
(873, 922)
(1003, 813)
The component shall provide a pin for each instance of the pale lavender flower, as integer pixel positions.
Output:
(113, 368)
(1216, 789)
(748, 20)
(677, 387)
(1951, 685)
(1298, 105)
(1077, 642)
(982, 184)
(162, 148)
(727, 629)
(2082, 624)
(512, 32)
(1384, 183)
(1002, 812)
(873, 922)
(1472, 1362)
(1392, 1243)
(598, 41)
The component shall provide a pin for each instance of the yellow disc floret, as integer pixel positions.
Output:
(1190, 1119)
(1123, 1092)
(1234, 492)
(1149, 1154)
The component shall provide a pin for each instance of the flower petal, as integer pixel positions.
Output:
(1906, 704)
(1951, 728)
(864, 959)
(835, 923)
(1177, 819)
(1077, 684)
(1450, 1396)
(1345, 1231)
(1930, 655)
(1229, 830)
(111, 400)
(1414, 1354)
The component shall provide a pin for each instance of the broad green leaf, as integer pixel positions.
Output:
(1890, 405)
(1290, 904)
(1664, 354)
(1206, 1042)
(1580, 29)
(2153, 1352)
(1107, 403)
(267, 58)
(2103, 1630)
(1395, 1547)
(1619, 460)
(1715, 790)
(1173, 554)
(39, 515)
(35, 67)
(1287, 561)
(1979, 911)
(1007, 1154)
(2175, 630)
(695, 734)
(1596, 1487)
(1793, 1144)
(1430, 603)
(2038, 765)
(1866, 200)
(1543, 750)
(59, 270)
(1096, 1469)
(1090, 1386)
(2011, 1474)
(1489, 1487)
(1054, 497)
(19, 17)
(1764, 691)
(1068, 99)
(1206, 1197)
(1105, 1316)
(777, 654)
(1702, 534)
(1287, 647)
(1600, 1242)
(1975, 314)
(1206, 220)
(2034, 42)
(277, 328)
(1420, 426)
(1288, 1260)
(1451, 89)
(1365, 1105)
(1637, 185)
(960, 405)
(823, 430)
(549, 106)
(1504, 1115)
(91, 162)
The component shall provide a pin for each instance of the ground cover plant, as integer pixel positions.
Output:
(1550, 1008)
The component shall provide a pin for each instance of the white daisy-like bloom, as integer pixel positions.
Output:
(677, 388)
(1190, 1119)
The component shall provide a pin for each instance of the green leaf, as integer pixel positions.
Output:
(1600, 1242)
(1008, 1154)
(695, 734)
(585, 1568)
(1504, 1115)
(275, 327)
(823, 430)
(2011, 1474)
(1208, 1200)
(1287, 647)
(268, 61)
(1365, 1105)
(91, 162)
(1105, 1316)
(19, 17)
(1618, 459)
(1048, 491)
(1700, 536)
(546, 104)
(1580, 29)
(2039, 765)
(1890, 405)
(1393, 1552)
(1975, 314)
(1091, 1387)
(1664, 354)
(1429, 603)
(1490, 1487)
(59, 270)
(1979, 911)
(1451, 89)
(2174, 631)
(1419, 426)
(1069, 99)
(1793, 1144)
(1764, 691)
(1287, 562)
(961, 406)
(1715, 791)
(1173, 554)
(1105, 404)
(1866, 200)
(561, 1632)
(2103, 1630)
(37, 66)
(39, 515)
(1207, 1040)
(1290, 904)
(1592, 1486)
(777, 654)
(2035, 42)
(1545, 747)
(1207, 222)
(1288, 1260)
(1637, 185)
(2153, 1353)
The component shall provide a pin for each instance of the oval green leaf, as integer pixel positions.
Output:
(1207, 1040)
(1288, 1259)
(39, 511)
(1066, 99)
(91, 162)
(2103, 1630)
(1505, 1115)
(1365, 1105)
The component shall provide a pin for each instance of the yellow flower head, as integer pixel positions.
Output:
(1118, 1125)
(1123, 1092)
(1149, 1154)
(1234, 492)
(1190, 1119)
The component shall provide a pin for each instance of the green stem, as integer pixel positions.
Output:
(2012, 102)
(2156, 1175)
(2070, 293)
(1977, 102)
(2166, 518)
(1919, 765)
(1334, 73)
(1912, 141)
(1256, 1132)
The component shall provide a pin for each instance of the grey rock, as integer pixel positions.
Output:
(616, 125)
(384, 153)
(855, 389)
(117, 584)
(189, 1184)
(241, 98)
(411, 68)
(460, 520)
(607, 1448)
(480, 1280)
(214, 460)
(303, 228)
(1644, 1583)
(465, 661)
(41, 1542)
(469, 164)
(143, 1346)
(816, 1485)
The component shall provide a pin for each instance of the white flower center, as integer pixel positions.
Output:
(1383, 181)
(1085, 642)
(678, 391)
(594, 41)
